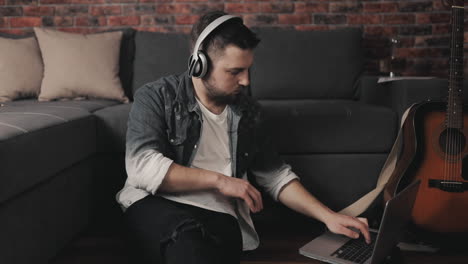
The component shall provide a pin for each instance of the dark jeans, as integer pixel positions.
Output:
(164, 231)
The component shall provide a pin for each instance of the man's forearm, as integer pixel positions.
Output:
(180, 178)
(296, 197)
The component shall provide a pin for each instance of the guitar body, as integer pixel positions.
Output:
(437, 156)
(435, 147)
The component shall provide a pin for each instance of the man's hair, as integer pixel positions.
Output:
(232, 32)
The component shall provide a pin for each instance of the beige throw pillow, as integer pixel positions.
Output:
(77, 65)
(20, 68)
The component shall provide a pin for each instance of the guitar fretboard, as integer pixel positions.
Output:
(454, 118)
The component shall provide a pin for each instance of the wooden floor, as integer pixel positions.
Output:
(103, 247)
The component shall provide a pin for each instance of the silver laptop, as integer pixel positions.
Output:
(339, 249)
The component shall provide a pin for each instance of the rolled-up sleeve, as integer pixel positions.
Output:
(273, 181)
(145, 163)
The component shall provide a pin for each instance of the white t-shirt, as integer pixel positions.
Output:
(213, 153)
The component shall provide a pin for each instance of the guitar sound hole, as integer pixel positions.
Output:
(452, 141)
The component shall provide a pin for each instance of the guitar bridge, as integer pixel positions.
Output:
(449, 186)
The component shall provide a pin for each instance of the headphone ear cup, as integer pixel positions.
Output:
(191, 65)
(201, 67)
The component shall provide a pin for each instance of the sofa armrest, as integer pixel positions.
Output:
(401, 94)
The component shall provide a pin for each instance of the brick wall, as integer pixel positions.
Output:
(422, 27)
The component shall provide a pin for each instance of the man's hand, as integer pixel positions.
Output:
(340, 224)
(239, 188)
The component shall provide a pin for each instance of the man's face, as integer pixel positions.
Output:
(229, 74)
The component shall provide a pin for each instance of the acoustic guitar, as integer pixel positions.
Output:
(435, 150)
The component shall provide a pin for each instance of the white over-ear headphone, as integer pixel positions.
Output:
(198, 62)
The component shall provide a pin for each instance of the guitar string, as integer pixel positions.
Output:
(458, 113)
(448, 120)
(456, 104)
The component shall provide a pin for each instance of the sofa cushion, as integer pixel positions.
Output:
(158, 55)
(21, 68)
(319, 64)
(86, 105)
(77, 65)
(37, 141)
(127, 55)
(329, 126)
(112, 128)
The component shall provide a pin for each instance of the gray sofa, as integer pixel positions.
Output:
(62, 162)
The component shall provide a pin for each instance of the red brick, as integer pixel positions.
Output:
(438, 5)
(25, 22)
(139, 9)
(202, 8)
(441, 29)
(38, 10)
(310, 27)
(431, 41)
(242, 8)
(71, 10)
(186, 19)
(63, 21)
(311, 7)
(111, 10)
(91, 21)
(345, 7)
(380, 31)
(191, 0)
(173, 9)
(150, 20)
(128, 1)
(195, 8)
(21, 2)
(2, 2)
(380, 7)
(154, 1)
(433, 18)
(419, 52)
(11, 11)
(4, 22)
(88, 1)
(364, 19)
(330, 19)
(261, 0)
(406, 42)
(123, 20)
(294, 19)
(46, 2)
(399, 19)
(260, 19)
(276, 7)
(415, 6)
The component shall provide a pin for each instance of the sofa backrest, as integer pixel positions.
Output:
(158, 55)
(292, 64)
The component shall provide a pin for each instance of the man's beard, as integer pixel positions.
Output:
(218, 97)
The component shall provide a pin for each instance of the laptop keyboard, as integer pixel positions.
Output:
(356, 250)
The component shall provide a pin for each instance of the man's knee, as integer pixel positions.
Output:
(192, 242)
(187, 229)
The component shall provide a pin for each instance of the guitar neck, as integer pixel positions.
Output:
(454, 118)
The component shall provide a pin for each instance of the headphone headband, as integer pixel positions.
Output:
(212, 26)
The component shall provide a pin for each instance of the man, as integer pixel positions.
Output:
(191, 140)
